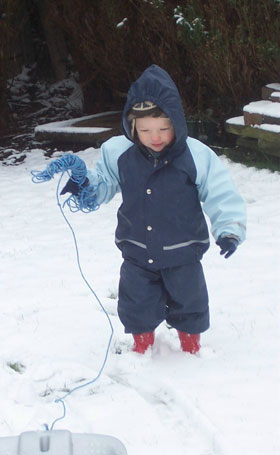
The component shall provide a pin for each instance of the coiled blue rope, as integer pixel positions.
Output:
(83, 203)
(66, 162)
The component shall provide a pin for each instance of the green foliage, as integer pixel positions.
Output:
(191, 28)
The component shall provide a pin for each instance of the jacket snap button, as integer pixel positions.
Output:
(149, 228)
(165, 162)
(149, 191)
(150, 261)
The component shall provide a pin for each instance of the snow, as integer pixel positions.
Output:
(61, 127)
(54, 335)
(274, 86)
(269, 127)
(236, 120)
(264, 126)
(55, 99)
(122, 23)
(68, 126)
(268, 108)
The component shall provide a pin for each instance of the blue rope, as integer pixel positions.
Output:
(61, 400)
(83, 203)
(68, 161)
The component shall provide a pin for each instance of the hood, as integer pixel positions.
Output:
(156, 85)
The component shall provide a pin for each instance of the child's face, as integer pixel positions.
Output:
(155, 132)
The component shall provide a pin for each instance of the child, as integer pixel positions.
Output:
(164, 176)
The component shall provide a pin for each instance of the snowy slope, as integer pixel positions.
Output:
(225, 400)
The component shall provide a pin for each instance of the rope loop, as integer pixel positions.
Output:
(66, 162)
(85, 201)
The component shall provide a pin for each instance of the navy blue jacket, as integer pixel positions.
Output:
(160, 221)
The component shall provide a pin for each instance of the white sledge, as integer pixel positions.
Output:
(61, 442)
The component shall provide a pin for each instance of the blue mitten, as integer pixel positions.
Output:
(74, 187)
(228, 245)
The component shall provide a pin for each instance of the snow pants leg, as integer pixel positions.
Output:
(148, 297)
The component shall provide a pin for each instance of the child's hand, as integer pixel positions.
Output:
(73, 187)
(228, 245)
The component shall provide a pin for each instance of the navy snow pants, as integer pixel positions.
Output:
(177, 295)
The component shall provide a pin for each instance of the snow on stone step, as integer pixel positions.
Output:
(259, 112)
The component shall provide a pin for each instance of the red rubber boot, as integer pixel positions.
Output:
(189, 342)
(142, 341)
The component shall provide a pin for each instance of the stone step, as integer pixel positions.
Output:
(268, 90)
(265, 138)
(275, 96)
(259, 112)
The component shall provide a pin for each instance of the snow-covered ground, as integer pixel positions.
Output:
(54, 334)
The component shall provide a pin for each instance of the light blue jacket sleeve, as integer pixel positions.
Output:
(221, 201)
(105, 176)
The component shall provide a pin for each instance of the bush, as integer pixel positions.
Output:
(9, 20)
(219, 52)
(14, 46)
(233, 46)
(112, 42)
